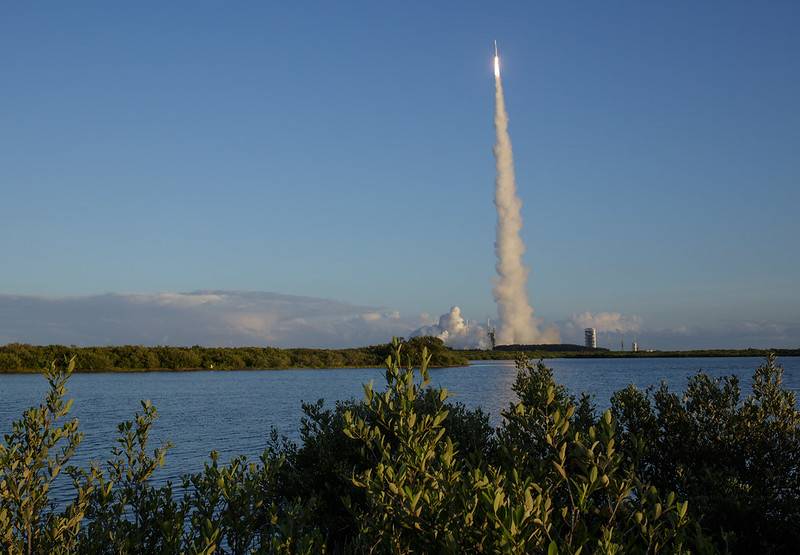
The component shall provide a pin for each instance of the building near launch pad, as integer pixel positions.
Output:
(590, 338)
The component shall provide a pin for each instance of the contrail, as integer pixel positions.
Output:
(517, 325)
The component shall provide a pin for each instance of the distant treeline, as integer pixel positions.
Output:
(550, 348)
(511, 352)
(17, 357)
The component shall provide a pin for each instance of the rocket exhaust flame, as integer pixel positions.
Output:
(496, 62)
(517, 324)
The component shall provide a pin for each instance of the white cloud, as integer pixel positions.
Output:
(256, 325)
(722, 335)
(607, 322)
(726, 335)
(256, 318)
(183, 299)
(203, 318)
(371, 316)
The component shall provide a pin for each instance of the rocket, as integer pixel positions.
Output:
(496, 62)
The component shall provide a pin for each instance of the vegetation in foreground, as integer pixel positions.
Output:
(406, 471)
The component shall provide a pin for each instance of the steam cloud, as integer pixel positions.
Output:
(457, 332)
(516, 322)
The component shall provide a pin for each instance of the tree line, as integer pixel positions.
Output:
(17, 357)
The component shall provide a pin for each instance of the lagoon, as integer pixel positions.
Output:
(234, 411)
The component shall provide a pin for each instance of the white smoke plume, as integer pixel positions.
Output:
(457, 332)
(516, 322)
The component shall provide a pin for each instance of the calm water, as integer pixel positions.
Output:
(233, 412)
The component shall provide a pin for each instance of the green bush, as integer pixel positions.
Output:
(737, 460)
(10, 361)
(94, 361)
(406, 471)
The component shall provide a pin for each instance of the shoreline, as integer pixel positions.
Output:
(195, 370)
(469, 356)
(700, 353)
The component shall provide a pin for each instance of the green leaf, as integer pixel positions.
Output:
(498, 500)
(528, 502)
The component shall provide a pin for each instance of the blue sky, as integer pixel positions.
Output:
(343, 151)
